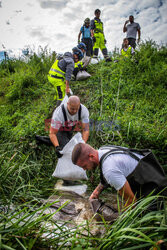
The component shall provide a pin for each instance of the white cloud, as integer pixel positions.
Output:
(56, 4)
(56, 23)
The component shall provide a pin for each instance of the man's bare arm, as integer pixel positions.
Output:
(92, 33)
(125, 28)
(79, 35)
(139, 34)
(53, 136)
(67, 87)
(85, 131)
(127, 194)
(97, 192)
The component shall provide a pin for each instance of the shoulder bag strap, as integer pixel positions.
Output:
(64, 113)
(79, 113)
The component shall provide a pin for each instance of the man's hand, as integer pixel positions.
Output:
(67, 90)
(94, 196)
(57, 150)
(127, 21)
(97, 192)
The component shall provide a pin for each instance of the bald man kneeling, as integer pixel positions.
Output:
(67, 118)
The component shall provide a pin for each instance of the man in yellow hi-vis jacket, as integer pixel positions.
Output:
(98, 37)
(60, 73)
(127, 51)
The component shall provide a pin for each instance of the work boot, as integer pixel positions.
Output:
(108, 59)
(95, 57)
(43, 140)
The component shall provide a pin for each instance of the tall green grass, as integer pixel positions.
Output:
(28, 226)
(131, 94)
(25, 173)
(137, 228)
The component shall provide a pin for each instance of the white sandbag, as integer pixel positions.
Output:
(79, 189)
(65, 100)
(86, 60)
(71, 93)
(65, 169)
(82, 75)
(94, 61)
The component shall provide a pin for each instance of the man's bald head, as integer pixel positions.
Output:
(74, 100)
(73, 104)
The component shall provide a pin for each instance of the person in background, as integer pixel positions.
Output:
(86, 37)
(60, 73)
(127, 50)
(80, 65)
(97, 33)
(82, 47)
(132, 29)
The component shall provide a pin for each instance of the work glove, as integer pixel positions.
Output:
(94, 39)
(57, 150)
(105, 41)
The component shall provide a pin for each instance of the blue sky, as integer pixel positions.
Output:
(56, 23)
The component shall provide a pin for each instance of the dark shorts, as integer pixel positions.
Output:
(132, 42)
(89, 46)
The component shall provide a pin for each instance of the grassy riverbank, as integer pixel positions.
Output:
(127, 104)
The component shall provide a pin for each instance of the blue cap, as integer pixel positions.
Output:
(81, 46)
(78, 52)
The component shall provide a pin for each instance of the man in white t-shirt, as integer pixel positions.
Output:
(132, 30)
(118, 166)
(67, 118)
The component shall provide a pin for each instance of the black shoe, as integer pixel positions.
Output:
(43, 140)
(108, 59)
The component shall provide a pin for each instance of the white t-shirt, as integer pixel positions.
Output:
(132, 30)
(117, 167)
(58, 118)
